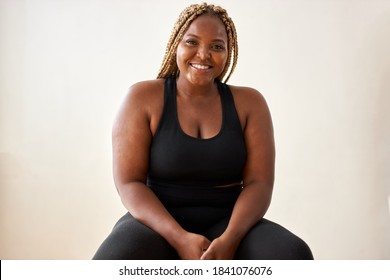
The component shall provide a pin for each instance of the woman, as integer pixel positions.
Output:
(194, 158)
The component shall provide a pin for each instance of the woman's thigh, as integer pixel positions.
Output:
(131, 240)
(266, 240)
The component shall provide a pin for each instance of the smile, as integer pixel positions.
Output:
(200, 66)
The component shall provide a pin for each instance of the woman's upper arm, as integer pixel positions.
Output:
(131, 135)
(259, 138)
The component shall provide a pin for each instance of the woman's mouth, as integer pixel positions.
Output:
(200, 66)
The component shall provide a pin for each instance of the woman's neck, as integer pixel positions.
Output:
(185, 87)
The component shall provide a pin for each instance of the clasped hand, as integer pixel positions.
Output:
(197, 247)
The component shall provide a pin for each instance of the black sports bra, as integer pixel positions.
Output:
(178, 159)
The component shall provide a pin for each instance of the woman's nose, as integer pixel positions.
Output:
(203, 52)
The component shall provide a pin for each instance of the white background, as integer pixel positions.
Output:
(65, 66)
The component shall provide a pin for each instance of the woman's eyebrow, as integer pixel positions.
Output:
(214, 40)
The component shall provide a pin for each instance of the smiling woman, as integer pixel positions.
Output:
(194, 157)
(202, 53)
(169, 66)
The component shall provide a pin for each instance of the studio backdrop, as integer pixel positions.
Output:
(65, 66)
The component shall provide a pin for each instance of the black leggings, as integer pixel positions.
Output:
(131, 240)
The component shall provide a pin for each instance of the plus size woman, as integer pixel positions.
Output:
(194, 157)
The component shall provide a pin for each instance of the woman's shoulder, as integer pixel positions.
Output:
(146, 89)
(247, 97)
(252, 110)
(145, 94)
(144, 98)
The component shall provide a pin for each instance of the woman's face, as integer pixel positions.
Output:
(202, 53)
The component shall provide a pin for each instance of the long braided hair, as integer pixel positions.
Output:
(188, 15)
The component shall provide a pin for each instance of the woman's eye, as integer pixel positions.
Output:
(218, 47)
(191, 42)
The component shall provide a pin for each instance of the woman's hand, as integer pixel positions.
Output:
(220, 248)
(191, 246)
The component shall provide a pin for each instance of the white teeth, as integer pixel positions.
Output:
(200, 67)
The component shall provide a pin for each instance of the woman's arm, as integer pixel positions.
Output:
(258, 177)
(131, 139)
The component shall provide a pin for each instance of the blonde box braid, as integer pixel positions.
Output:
(187, 16)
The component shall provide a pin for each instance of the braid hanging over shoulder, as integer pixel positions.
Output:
(187, 16)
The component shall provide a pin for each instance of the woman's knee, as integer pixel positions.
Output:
(268, 240)
(131, 240)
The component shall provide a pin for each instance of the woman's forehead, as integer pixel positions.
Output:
(207, 25)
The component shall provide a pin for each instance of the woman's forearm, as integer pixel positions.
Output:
(144, 206)
(251, 206)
